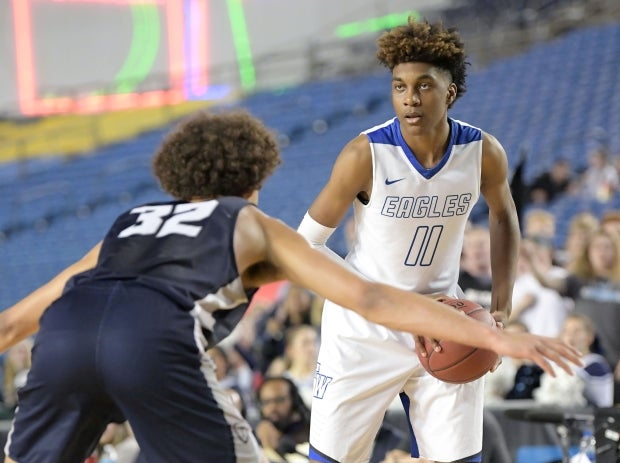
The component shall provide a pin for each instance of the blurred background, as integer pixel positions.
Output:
(88, 89)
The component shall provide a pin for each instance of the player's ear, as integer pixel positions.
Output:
(452, 91)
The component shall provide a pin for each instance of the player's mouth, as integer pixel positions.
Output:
(413, 118)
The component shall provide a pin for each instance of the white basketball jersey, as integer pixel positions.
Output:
(410, 234)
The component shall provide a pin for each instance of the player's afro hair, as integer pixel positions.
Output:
(426, 43)
(210, 155)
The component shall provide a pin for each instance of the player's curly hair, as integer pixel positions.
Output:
(426, 43)
(210, 155)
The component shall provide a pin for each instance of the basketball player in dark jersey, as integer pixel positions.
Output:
(122, 332)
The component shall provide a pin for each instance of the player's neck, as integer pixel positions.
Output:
(429, 147)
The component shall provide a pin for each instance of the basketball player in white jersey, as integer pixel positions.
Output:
(122, 333)
(413, 181)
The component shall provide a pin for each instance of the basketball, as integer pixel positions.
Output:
(457, 363)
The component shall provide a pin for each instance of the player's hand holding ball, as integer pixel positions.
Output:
(453, 362)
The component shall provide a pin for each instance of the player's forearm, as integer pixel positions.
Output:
(505, 242)
(317, 235)
(22, 319)
(421, 315)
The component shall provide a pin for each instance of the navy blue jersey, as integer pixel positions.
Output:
(183, 250)
(127, 341)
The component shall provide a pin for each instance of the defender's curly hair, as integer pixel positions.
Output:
(426, 43)
(210, 155)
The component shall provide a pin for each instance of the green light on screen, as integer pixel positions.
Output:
(375, 24)
(242, 44)
(143, 50)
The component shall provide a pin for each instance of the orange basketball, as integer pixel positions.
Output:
(457, 363)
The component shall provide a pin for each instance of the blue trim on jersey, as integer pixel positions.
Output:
(464, 134)
(415, 451)
(597, 369)
(426, 173)
(391, 134)
(385, 135)
(314, 454)
(477, 458)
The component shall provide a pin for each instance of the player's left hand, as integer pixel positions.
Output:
(419, 345)
(419, 340)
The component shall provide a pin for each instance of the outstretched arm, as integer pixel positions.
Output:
(22, 319)
(292, 258)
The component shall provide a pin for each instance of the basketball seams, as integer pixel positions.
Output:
(472, 363)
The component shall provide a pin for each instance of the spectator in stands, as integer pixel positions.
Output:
(593, 383)
(299, 360)
(551, 184)
(580, 227)
(285, 418)
(593, 283)
(233, 373)
(601, 179)
(610, 221)
(120, 438)
(475, 272)
(542, 310)
(15, 370)
(539, 224)
(296, 306)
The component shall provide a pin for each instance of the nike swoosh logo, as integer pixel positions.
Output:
(389, 182)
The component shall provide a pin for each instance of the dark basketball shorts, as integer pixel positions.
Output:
(110, 351)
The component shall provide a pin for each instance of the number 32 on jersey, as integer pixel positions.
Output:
(168, 219)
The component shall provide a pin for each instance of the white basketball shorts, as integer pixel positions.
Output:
(361, 368)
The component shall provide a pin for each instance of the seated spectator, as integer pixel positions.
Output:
(580, 227)
(600, 180)
(552, 183)
(592, 384)
(16, 367)
(118, 442)
(610, 222)
(541, 309)
(234, 373)
(297, 306)
(285, 418)
(539, 224)
(299, 360)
